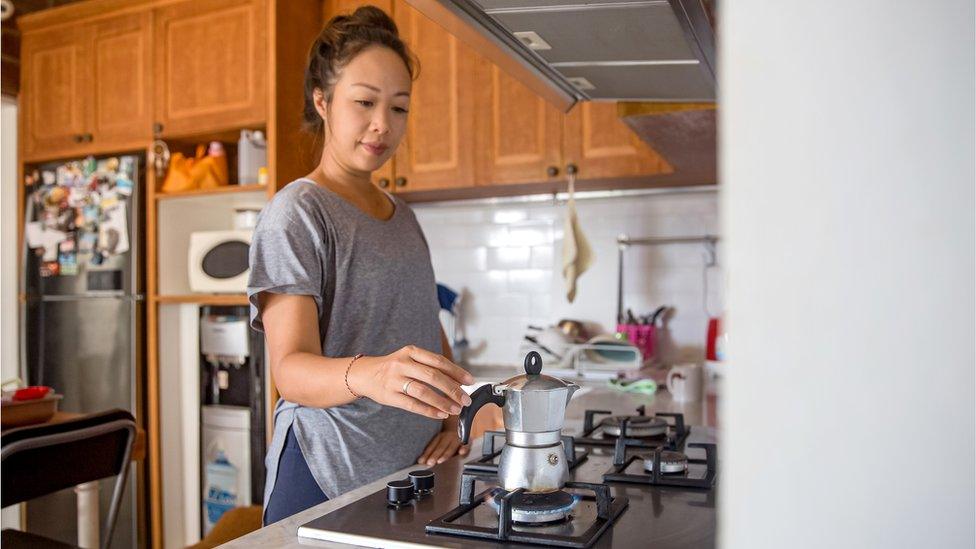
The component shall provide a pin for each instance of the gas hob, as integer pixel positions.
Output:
(631, 494)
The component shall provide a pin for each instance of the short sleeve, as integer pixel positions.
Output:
(286, 254)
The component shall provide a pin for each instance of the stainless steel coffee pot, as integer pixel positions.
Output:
(534, 407)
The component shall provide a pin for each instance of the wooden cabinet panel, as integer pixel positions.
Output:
(436, 152)
(56, 84)
(121, 113)
(519, 134)
(211, 64)
(602, 146)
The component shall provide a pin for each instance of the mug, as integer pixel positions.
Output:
(685, 382)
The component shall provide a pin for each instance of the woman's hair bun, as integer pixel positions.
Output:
(343, 37)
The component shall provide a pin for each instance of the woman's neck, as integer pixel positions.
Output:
(336, 177)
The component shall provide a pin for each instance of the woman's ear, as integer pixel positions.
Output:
(321, 105)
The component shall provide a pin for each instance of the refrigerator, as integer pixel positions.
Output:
(83, 314)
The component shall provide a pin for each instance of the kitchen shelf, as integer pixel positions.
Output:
(204, 299)
(227, 189)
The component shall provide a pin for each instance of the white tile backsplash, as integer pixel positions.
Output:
(506, 260)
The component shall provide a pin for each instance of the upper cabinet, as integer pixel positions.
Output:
(210, 58)
(602, 146)
(56, 85)
(437, 150)
(520, 137)
(120, 110)
(87, 87)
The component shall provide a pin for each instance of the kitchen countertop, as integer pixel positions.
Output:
(595, 395)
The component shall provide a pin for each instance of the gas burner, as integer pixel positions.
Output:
(671, 462)
(536, 508)
(662, 467)
(488, 462)
(517, 513)
(650, 431)
(637, 426)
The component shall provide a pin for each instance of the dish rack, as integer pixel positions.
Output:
(590, 360)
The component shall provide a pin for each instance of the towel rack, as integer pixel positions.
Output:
(624, 242)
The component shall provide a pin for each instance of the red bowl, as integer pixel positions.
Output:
(32, 393)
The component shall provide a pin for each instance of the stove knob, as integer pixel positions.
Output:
(423, 481)
(399, 492)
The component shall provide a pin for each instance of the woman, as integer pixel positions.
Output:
(342, 285)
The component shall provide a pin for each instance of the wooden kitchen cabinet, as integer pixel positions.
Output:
(87, 88)
(210, 59)
(120, 108)
(56, 87)
(437, 151)
(602, 146)
(520, 134)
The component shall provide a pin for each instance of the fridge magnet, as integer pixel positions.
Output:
(47, 176)
(97, 257)
(109, 200)
(90, 212)
(67, 264)
(88, 166)
(55, 197)
(77, 197)
(123, 186)
(34, 233)
(113, 238)
(67, 245)
(109, 165)
(49, 268)
(50, 239)
(86, 242)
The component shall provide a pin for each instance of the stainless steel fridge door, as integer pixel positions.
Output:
(86, 349)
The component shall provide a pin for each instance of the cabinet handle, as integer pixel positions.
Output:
(571, 169)
(157, 129)
(78, 138)
(552, 171)
(89, 138)
(384, 182)
(401, 182)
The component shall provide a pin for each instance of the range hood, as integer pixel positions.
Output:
(594, 50)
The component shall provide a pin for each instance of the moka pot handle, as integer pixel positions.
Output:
(481, 396)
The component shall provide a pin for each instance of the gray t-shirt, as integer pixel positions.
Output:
(374, 287)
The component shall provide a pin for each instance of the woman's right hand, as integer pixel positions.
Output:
(382, 379)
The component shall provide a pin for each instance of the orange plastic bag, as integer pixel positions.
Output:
(203, 171)
(210, 171)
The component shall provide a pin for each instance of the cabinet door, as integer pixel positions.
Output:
(211, 66)
(520, 135)
(602, 146)
(436, 152)
(56, 87)
(120, 111)
(382, 177)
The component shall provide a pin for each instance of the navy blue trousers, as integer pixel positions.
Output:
(295, 489)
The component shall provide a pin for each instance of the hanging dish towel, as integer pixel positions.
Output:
(577, 255)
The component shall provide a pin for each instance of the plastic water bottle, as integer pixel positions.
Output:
(221, 483)
(252, 155)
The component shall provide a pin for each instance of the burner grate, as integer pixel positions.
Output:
(594, 432)
(608, 510)
(617, 472)
(486, 463)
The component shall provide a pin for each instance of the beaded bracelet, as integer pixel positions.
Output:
(348, 388)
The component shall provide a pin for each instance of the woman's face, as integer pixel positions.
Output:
(368, 113)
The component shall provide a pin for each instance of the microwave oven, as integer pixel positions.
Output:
(218, 261)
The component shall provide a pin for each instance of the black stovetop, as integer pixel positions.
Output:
(656, 516)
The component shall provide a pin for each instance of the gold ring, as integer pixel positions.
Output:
(406, 385)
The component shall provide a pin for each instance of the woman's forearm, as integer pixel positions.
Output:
(313, 380)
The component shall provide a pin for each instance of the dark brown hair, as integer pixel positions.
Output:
(340, 41)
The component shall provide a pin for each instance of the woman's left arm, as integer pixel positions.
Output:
(446, 443)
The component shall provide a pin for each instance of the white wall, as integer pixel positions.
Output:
(847, 164)
(8, 260)
(8, 241)
(506, 258)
